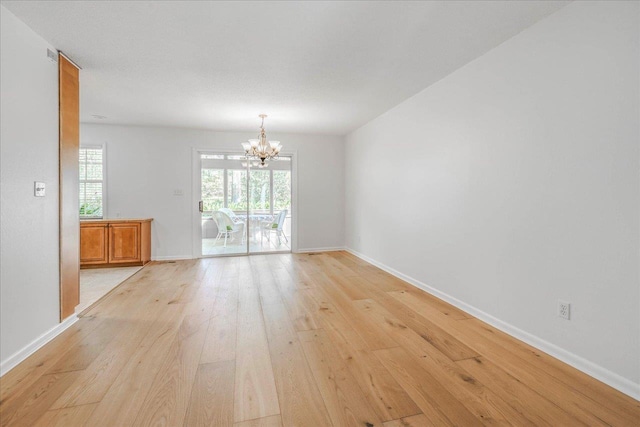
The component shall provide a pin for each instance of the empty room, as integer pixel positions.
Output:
(319, 213)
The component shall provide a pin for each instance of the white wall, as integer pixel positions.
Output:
(514, 182)
(29, 277)
(146, 164)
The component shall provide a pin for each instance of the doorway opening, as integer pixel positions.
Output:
(244, 209)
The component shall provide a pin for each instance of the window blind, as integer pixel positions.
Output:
(91, 182)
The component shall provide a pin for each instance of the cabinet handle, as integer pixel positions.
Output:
(200, 206)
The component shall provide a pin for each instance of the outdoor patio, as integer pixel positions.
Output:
(260, 239)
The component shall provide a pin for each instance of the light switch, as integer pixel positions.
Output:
(38, 189)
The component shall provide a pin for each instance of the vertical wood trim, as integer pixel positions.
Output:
(145, 242)
(69, 103)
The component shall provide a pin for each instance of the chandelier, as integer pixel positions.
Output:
(260, 149)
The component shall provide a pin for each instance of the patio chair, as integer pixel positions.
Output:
(226, 227)
(235, 218)
(276, 226)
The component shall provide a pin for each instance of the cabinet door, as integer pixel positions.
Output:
(93, 244)
(124, 243)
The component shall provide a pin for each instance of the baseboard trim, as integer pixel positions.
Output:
(172, 258)
(608, 377)
(309, 250)
(19, 356)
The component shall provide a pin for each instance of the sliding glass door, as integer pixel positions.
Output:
(243, 208)
(223, 190)
(270, 207)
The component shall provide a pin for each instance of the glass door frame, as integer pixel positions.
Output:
(196, 218)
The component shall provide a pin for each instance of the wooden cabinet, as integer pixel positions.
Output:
(93, 244)
(124, 243)
(108, 243)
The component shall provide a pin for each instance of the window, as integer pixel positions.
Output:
(282, 190)
(91, 182)
(212, 189)
(236, 190)
(224, 185)
(260, 186)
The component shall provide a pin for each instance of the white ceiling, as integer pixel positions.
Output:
(313, 67)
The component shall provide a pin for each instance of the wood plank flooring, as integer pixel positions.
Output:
(293, 340)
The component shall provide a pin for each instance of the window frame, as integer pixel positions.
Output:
(102, 147)
(220, 161)
(196, 218)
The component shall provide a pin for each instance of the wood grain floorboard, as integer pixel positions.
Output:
(292, 340)
(168, 399)
(431, 303)
(420, 420)
(381, 390)
(255, 391)
(429, 331)
(125, 397)
(95, 379)
(273, 421)
(65, 417)
(298, 395)
(211, 401)
(123, 400)
(27, 372)
(220, 343)
(432, 398)
(79, 357)
(587, 392)
(346, 404)
(477, 398)
(539, 409)
(36, 399)
(361, 323)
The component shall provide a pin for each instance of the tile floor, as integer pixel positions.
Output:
(97, 282)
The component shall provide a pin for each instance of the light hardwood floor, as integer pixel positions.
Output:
(293, 340)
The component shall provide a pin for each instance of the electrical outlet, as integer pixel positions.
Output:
(564, 309)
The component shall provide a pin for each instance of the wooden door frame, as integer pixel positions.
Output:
(69, 145)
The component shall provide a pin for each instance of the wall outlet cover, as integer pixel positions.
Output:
(564, 309)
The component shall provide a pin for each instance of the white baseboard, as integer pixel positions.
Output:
(608, 377)
(309, 250)
(298, 251)
(12, 361)
(171, 258)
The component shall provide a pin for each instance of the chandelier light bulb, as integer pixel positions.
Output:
(260, 150)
